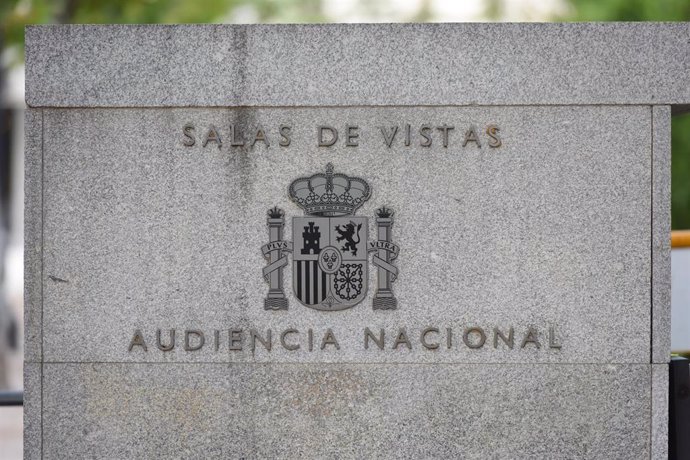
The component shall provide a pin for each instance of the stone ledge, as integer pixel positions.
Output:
(365, 64)
(347, 411)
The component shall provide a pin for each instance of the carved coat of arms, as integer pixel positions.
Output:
(330, 246)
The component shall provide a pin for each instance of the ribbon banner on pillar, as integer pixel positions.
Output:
(267, 249)
(330, 266)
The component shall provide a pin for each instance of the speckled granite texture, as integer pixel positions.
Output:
(661, 229)
(563, 227)
(366, 64)
(347, 411)
(552, 229)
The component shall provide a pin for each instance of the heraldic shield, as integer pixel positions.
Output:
(329, 268)
(330, 247)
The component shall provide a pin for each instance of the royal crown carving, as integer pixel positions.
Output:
(329, 194)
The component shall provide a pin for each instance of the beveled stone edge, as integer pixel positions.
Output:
(263, 87)
(661, 235)
(33, 235)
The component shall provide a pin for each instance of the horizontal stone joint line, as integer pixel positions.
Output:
(344, 106)
(358, 363)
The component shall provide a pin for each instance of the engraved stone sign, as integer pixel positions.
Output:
(349, 241)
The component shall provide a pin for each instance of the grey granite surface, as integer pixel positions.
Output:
(33, 234)
(552, 229)
(365, 64)
(129, 229)
(661, 231)
(33, 411)
(660, 397)
(346, 411)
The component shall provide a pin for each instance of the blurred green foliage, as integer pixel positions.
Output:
(680, 172)
(653, 10)
(629, 10)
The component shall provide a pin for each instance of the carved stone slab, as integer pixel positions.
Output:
(349, 241)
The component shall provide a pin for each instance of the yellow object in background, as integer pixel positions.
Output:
(680, 239)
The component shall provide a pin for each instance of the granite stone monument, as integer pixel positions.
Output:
(349, 241)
